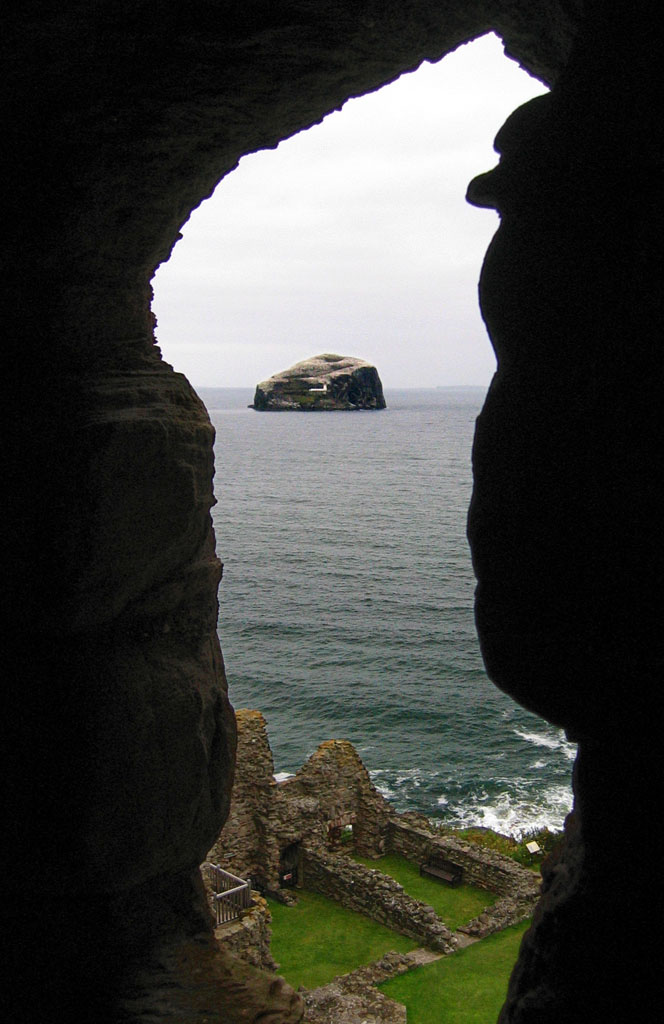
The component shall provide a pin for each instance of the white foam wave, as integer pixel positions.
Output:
(415, 776)
(538, 739)
(520, 805)
(513, 817)
(557, 742)
(282, 776)
(399, 780)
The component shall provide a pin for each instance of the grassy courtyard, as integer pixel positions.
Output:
(455, 906)
(317, 939)
(466, 988)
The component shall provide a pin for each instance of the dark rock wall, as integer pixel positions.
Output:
(567, 504)
(249, 843)
(120, 118)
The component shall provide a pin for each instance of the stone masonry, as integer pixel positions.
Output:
(370, 892)
(271, 822)
(517, 888)
(281, 834)
(249, 937)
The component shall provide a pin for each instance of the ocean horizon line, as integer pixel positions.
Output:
(399, 387)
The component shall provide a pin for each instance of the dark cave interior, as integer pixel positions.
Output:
(120, 119)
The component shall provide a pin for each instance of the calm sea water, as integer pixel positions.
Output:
(347, 605)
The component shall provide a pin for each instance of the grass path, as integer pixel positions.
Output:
(468, 987)
(455, 906)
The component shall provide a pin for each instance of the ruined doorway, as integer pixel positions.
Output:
(289, 866)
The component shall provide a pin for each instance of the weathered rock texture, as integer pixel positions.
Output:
(118, 119)
(266, 819)
(248, 938)
(338, 1003)
(516, 887)
(191, 981)
(370, 892)
(322, 383)
(354, 997)
(248, 843)
(568, 496)
(336, 778)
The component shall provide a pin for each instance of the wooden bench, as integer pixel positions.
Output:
(445, 870)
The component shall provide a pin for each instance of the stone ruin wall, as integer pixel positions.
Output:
(368, 891)
(353, 997)
(518, 888)
(483, 868)
(249, 937)
(245, 845)
(332, 789)
(335, 776)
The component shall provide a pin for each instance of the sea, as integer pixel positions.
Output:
(346, 606)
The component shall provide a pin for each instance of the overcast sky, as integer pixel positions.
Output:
(352, 237)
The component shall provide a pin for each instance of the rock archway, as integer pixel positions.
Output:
(121, 118)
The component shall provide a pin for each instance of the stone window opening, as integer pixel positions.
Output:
(338, 835)
(112, 607)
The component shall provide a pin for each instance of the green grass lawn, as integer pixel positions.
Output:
(466, 988)
(316, 940)
(455, 906)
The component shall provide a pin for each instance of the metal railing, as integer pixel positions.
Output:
(231, 894)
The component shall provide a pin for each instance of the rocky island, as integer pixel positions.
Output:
(322, 383)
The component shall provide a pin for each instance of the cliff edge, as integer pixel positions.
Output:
(322, 383)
